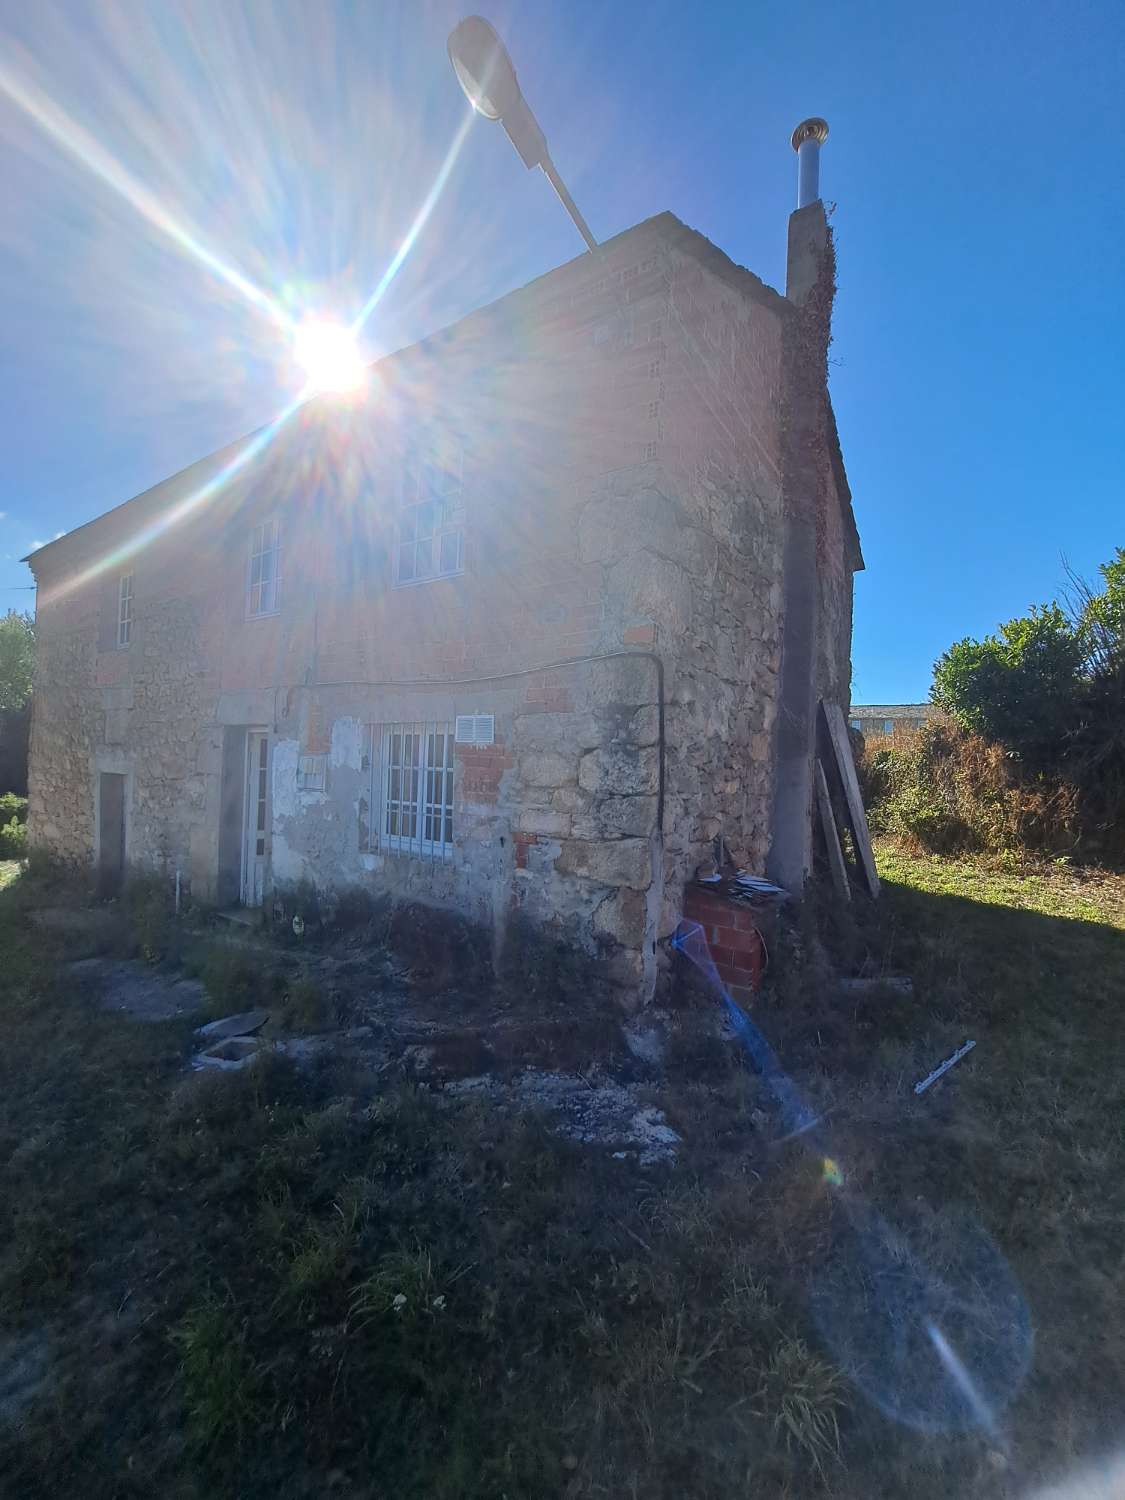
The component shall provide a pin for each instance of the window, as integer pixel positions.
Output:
(431, 531)
(856, 725)
(413, 788)
(125, 610)
(888, 726)
(262, 573)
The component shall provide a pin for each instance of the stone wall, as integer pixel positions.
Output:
(624, 494)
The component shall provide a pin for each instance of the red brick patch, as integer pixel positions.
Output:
(522, 842)
(732, 938)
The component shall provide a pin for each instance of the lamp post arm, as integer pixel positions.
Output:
(567, 201)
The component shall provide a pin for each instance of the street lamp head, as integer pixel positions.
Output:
(484, 69)
(485, 72)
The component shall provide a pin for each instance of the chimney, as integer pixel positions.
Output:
(808, 138)
(808, 226)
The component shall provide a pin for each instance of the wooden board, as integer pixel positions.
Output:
(857, 818)
(831, 837)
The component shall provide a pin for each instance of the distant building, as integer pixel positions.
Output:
(888, 719)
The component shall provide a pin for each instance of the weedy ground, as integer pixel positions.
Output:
(319, 1282)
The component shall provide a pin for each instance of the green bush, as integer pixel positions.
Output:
(946, 790)
(1049, 688)
(13, 839)
(12, 806)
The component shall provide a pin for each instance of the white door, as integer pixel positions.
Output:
(256, 821)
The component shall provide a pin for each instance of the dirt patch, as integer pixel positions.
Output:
(137, 991)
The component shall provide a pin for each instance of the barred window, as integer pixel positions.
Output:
(125, 610)
(412, 788)
(262, 571)
(431, 523)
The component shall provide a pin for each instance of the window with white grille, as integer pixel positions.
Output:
(262, 575)
(125, 610)
(431, 522)
(412, 788)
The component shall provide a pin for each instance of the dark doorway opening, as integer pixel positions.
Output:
(111, 832)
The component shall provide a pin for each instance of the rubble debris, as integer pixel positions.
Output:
(860, 989)
(243, 1024)
(594, 1113)
(942, 1068)
(754, 885)
(231, 1053)
(646, 1043)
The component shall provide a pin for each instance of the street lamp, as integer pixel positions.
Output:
(485, 72)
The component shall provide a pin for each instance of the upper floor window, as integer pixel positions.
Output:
(431, 523)
(262, 573)
(125, 610)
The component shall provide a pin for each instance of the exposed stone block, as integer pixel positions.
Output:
(546, 768)
(620, 771)
(649, 584)
(615, 818)
(623, 862)
(621, 916)
(622, 679)
(544, 820)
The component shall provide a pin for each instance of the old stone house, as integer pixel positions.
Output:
(518, 634)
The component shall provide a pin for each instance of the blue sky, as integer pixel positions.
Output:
(976, 158)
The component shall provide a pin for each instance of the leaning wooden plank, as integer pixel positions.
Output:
(831, 837)
(842, 751)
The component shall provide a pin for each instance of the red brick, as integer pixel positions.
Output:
(739, 942)
(742, 976)
(744, 920)
(640, 635)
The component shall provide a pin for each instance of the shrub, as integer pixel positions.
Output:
(13, 806)
(13, 839)
(946, 790)
(1050, 688)
(1018, 687)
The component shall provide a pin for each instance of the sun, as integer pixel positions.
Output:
(328, 355)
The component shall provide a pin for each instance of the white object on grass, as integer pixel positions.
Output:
(920, 1088)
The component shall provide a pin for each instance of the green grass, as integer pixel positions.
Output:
(286, 1284)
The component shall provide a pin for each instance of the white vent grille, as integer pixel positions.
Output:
(475, 729)
(310, 772)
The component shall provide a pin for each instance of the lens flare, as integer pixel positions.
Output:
(328, 355)
(924, 1315)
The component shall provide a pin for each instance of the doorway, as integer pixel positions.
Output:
(111, 832)
(255, 825)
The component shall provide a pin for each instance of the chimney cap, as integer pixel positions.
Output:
(812, 129)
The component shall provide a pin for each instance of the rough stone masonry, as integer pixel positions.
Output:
(594, 588)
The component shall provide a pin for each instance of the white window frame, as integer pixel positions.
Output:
(126, 596)
(405, 775)
(888, 726)
(430, 526)
(263, 593)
